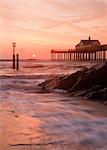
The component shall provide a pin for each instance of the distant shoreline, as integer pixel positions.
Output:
(26, 59)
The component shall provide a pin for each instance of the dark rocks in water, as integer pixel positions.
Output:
(64, 82)
(90, 82)
(52, 83)
(92, 77)
(100, 94)
(67, 81)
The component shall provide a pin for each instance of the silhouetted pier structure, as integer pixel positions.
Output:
(78, 55)
(86, 50)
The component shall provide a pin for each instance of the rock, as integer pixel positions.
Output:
(62, 82)
(90, 82)
(68, 81)
(52, 83)
(100, 94)
(91, 78)
(88, 90)
(105, 102)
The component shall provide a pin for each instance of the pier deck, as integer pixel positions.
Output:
(88, 54)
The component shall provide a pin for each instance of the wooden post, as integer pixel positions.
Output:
(13, 61)
(70, 55)
(86, 55)
(64, 55)
(51, 57)
(83, 56)
(101, 55)
(60, 56)
(89, 56)
(98, 55)
(79, 56)
(95, 56)
(74, 55)
(17, 61)
(54, 56)
(67, 56)
(104, 55)
(13, 45)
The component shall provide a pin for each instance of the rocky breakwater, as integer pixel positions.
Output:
(89, 82)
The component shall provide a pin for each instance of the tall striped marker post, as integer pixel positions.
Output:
(13, 45)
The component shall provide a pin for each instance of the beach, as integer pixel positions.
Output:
(35, 119)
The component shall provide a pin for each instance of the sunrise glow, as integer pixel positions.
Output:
(33, 55)
(41, 25)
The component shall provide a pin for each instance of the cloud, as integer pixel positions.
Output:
(56, 20)
(52, 13)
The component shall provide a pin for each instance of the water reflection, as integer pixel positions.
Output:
(51, 121)
(31, 119)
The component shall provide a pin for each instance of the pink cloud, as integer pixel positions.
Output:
(51, 23)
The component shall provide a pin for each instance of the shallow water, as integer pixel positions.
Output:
(31, 119)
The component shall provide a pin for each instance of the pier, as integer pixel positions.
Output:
(78, 55)
(86, 50)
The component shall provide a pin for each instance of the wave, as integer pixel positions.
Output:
(34, 66)
(23, 83)
(39, 76)
(21, 88)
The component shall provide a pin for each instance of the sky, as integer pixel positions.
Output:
(37, 26)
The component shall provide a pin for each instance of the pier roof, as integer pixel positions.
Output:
(88, 42)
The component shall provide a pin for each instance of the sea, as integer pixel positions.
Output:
(33, 119)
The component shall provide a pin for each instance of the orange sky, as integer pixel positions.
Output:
(37, 26)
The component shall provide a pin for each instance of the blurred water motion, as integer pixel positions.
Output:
(31, 119)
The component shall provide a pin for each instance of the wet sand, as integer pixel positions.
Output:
(51, 121)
